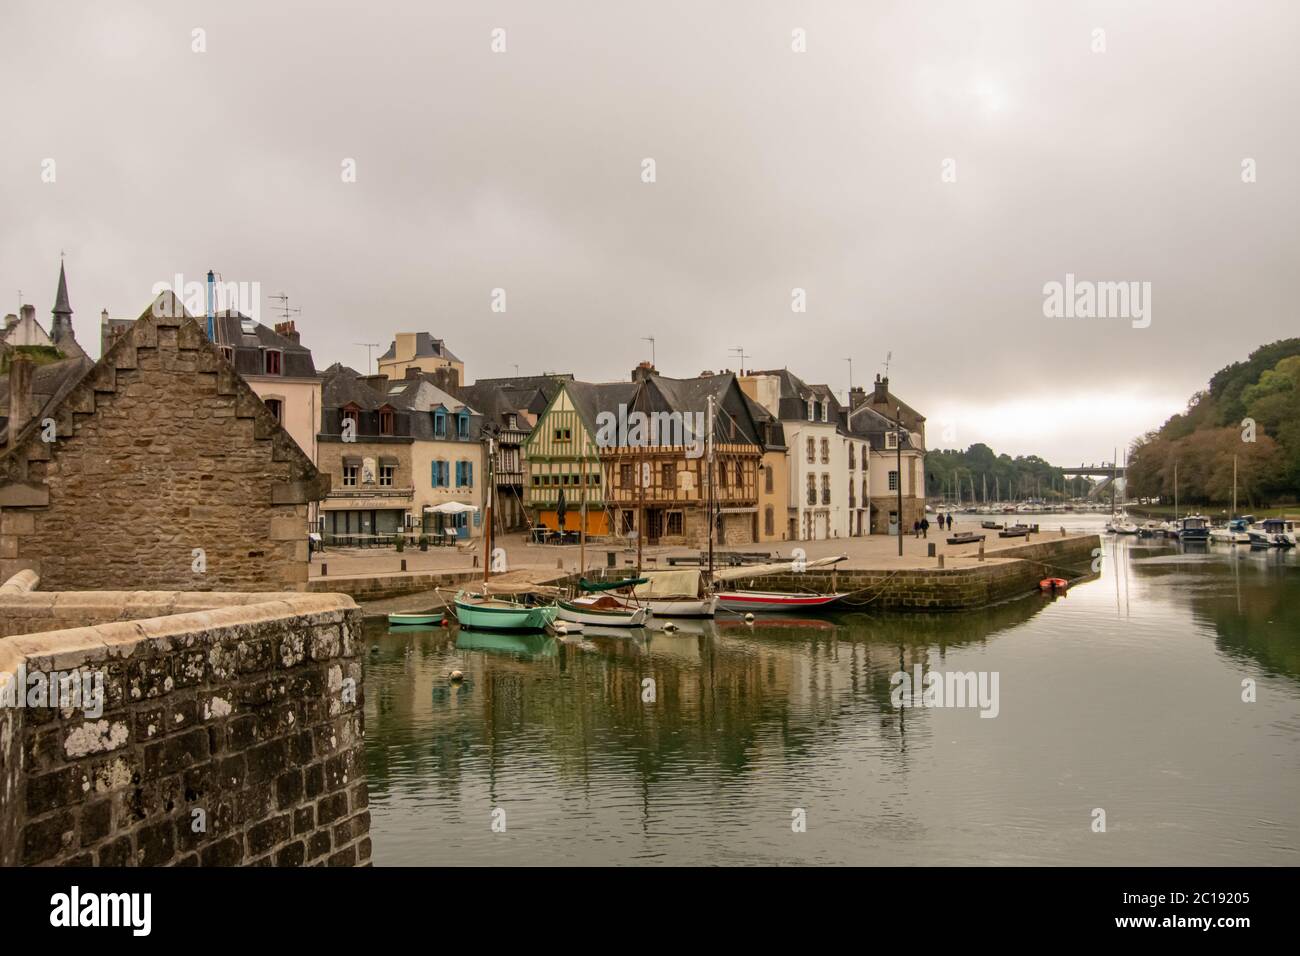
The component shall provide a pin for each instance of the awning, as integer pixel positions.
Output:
(451, 508)
(387, 460)
(351, 460)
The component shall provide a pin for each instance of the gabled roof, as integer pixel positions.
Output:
(866, 422)
(75, 381)
(341, 386)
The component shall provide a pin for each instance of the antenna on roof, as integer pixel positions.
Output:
(651, 340)
(370, 350)
(740, 350)
(888, 357)
(850, 361)
(284, 305)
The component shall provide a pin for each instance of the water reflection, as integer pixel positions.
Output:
(695, 746)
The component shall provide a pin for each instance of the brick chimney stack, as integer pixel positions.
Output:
(289, 330)
(857, 397)
(881, 394)
(10, 321)
(643, 371)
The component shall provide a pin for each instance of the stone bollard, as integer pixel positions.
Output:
(559, 564)
(931, 551)
(981, 550)
(476, 560)
(324, 569)
(403, 564)
(941, 562)
(1062, 531)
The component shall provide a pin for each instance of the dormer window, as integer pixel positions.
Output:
(462, 425)
(349, 413)
(891, 440)
(826, 408)
(440, 424)
(386, 421)
(276, 408)
(812, 410)
(512, 422)
(271, 360)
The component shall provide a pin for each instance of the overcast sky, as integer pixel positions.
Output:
(774, 170)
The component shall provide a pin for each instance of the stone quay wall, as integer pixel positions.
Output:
(230, 732)
(1006, 574)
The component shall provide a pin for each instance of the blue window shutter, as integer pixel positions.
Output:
(460, 472)
(433, 473)
(469, 473)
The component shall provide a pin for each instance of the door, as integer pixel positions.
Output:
(654, 525)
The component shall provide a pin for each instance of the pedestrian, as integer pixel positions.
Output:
(916, 529)
(925, 527)
(950, 521)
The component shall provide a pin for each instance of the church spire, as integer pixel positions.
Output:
(61, 333)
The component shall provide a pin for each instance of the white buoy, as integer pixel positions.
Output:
(670, 626)
(560, 628)
(749, 618)
(456, 676)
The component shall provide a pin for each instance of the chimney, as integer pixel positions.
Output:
(20, 395)
(881, 394)
(10, 321)
(28, 312)
(643, 371)
(378, 382)
(857, 397)
(446, 378)
(289, 330)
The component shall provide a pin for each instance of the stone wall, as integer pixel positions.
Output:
(228, 736)
(1005, 575)
(161, 449)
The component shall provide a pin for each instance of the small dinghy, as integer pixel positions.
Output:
(400, 620)
(1053, 584)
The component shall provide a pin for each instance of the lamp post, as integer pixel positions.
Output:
(898, 448)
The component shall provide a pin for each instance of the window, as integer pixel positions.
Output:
(826, 489)
(512, 421)
(891, 440)
(276, 408)
(386, 475)
(722, 474)
(826, 451)
(826, 408)
(465, 474)
(625, 475)
(893, 481)
(272, 362)
(593, 479)
(675, 524)
(767, 477)
(740, 475)
(769, 521)
(228, 354)
(853, 461)
(537, 481)
(439, 424)
(812, 450)
(349, 476)
(812, 410)
(348, 414)
(563, 434)
(668, 476)
(385, 421)
(462, 425)
(812, 489)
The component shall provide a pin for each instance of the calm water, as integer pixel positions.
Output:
(1123, 695)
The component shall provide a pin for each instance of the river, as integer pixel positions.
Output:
(779, 742)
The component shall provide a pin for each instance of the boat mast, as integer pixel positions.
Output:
(582, 517)
(640, 495)
(1175, 491)
(709, 430)
(1234, 486)
(487, 519)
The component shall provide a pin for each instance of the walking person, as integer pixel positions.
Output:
(925, 527)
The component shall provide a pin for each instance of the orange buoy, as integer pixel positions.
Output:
(1053, 584)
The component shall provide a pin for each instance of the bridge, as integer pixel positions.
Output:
(1096, 471)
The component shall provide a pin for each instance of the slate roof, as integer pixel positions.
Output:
(50, 383)
(425, 345)
(794, 396)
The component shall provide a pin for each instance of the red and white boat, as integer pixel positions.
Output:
(768, 601)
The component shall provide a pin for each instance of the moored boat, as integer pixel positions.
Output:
(498, 614)
(772, 601)
(1194, 528)
(676, 593)
(410, 619)
(605, 610)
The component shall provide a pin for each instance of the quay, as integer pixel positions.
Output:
(955, 578)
